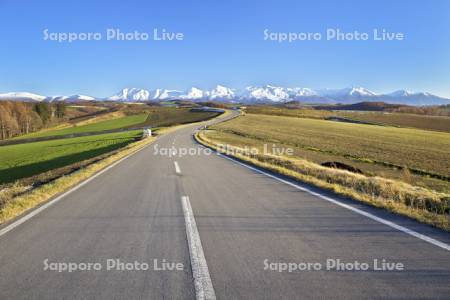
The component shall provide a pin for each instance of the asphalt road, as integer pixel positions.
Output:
(244, 219)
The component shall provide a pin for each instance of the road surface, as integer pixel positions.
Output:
(240, 222)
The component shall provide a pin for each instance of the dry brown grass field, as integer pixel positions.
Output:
(405, 170)
(425, 122)
(377, 150)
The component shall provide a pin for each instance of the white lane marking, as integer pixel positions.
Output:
(48, 204)
(177, 168)
(356, 210)
(202, 280)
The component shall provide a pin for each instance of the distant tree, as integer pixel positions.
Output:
(22, 113)
(3, 123)
(5, 119)
(36, 122)
(44, 111)
(8, 125)
(17, 118)
(60, 109)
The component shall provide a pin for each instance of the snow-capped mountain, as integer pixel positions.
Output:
(164, 94)
(345, 92)
(400, 93)
(406, 93)
(195, 94)
(22, 96)
(296, 93)
(358, 94)
(56, 98)
(219, 93)
(81, 97)
(414, 98)
(222, 93)
(30, 97)
(344, 95)
(265, 93)
(360, 91)
(251, 94)
(130, 95)
(270, 94)
(71, 98)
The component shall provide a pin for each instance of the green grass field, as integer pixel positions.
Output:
(123, 122)
(374, 149)
(154, 117)
(25, 160)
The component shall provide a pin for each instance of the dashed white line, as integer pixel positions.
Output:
(177, 168)
(349, 207)
(202, 280)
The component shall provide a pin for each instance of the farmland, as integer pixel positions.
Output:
(167, 116)
(425, 122)
(24, 160)
(416, 156)
(118, 123)
(151, 117)
(295, 112)
(436, 123)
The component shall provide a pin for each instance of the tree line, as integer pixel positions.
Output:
(435, 110)
(18, 118)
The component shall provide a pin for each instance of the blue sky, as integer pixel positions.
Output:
(223, 43)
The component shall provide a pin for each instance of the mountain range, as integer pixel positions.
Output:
(251, 94)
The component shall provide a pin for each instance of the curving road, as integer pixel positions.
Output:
(223, 223)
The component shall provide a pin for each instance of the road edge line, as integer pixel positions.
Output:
(202, 280)
(349, 207)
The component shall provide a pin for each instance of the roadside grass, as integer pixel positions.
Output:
(424, 205)
(118, 123)
(377, 150)
(25, 160)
